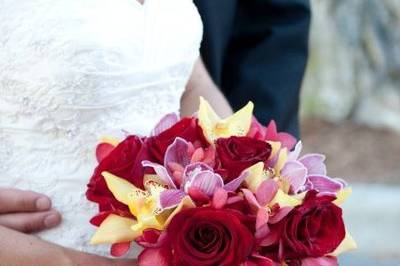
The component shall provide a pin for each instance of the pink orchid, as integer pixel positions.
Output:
(270, 133)
(266, 215)
(309, 172)
(165, 123)
(258, 260)
(322, 261)
(187, 172)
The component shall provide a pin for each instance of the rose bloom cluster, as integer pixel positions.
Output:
(208, 191)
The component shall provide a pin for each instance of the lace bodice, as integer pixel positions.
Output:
(72, 71)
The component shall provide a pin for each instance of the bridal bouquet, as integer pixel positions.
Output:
(203, 190)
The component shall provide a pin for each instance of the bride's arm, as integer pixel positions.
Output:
(201, 84)
(17, 249)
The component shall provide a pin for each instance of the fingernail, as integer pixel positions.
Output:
(51, 220)
(43, 204)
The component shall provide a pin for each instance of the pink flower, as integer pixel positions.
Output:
(309, 172)
(270, 133)
(185, 174)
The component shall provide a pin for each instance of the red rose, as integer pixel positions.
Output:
(210, 237)
(313, 229)
(186, 128)
(238, 153)
(123, 161)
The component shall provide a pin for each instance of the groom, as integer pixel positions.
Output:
(257, 50)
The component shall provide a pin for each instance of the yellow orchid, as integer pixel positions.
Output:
(214, 127)
(143, 204)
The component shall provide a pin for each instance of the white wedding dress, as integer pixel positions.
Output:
(72, 71)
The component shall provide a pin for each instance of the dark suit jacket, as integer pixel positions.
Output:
(257, 50)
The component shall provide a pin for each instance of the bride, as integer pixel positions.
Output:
(70, 72)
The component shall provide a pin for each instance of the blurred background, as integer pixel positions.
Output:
(351, 112)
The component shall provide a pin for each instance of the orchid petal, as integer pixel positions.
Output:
(239, 123)
(207, 181)
(276, 147)
(296, 174)
(115, 229)
(192, 169)
(272, 132)
(282, 212)
(220, 198)
(251, 199)
(294, 155)
(262, 231)
(342, 195)
(266, 191)
(120, 249)
(262, 218)
(161, 172)
(314, 163)
(322, 261)
(347, 244)
(284, 200)
(208, 119)
(171, 198)
(120, 188)
(178, 153)
(235, 183)
(258, 260)
(165, 123)
(186, 203)
(270, 239)
(214, 127)
(198, 195)
(323, 183)
(281, 161)
(287, 140)
(255, 176)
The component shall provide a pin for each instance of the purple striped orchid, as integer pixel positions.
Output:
(185, 175)
(309, 172)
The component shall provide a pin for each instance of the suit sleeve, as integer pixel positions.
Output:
(266, 58)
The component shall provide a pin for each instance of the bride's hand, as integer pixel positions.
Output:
(26, 211)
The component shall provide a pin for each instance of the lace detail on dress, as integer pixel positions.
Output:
(75, 70)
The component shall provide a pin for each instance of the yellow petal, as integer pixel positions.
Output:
(239, 123)
(283, 155)
(186, 203)
(276, 147)
(208, 119)
(214, 127)
(110, 140)
(347, 244)
(343, 195)
(255, 177)
(284, 200)
(115, 229)
(122, 189)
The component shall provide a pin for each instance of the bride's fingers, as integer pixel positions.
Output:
(31, 221)
(14, 200)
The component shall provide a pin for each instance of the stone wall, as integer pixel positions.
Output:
(354, 66)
